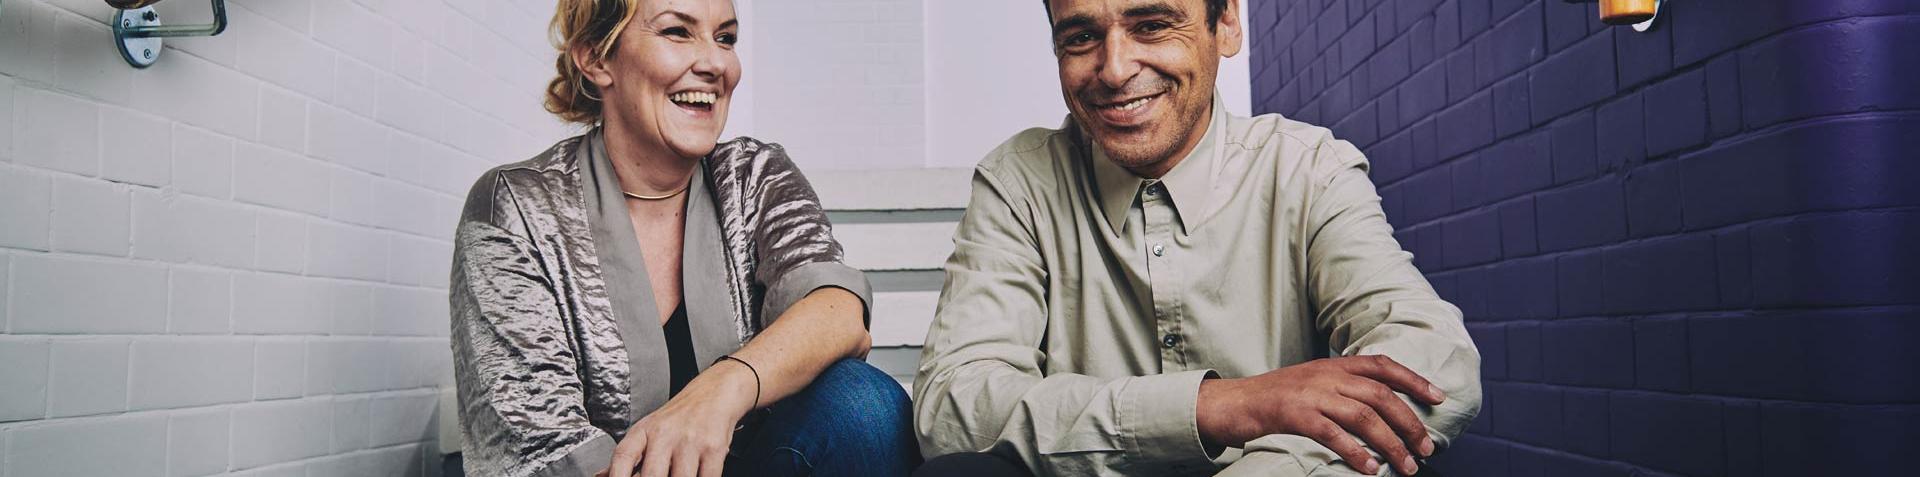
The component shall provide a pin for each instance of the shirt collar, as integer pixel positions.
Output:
(1190, 184)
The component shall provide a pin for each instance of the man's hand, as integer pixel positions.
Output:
(1328, 400)
(689, 436)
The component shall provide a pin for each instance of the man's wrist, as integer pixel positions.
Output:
(1211, 415)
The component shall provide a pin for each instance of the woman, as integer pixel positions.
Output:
(592, 283)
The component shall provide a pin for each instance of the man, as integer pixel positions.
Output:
(1158, 288)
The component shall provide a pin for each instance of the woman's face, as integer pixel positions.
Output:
(671, 74)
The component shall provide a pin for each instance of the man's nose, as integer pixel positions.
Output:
(1121, 62)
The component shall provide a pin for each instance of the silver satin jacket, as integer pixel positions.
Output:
(556, 340)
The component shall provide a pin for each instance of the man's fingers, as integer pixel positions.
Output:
(1360, 420)
(1336, 439)
(1395, 412)
(1366, 424)
(627, 454)
(1391, 373)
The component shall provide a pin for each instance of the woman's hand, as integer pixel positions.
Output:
(690, 435)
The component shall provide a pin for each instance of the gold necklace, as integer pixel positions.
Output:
(666, 196)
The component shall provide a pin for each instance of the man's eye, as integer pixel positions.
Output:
(1154, 27)
(1078, 39)
(728, 39)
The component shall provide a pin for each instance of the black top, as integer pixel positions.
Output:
(680, 349)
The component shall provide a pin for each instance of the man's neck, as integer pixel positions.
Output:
(1160, 168)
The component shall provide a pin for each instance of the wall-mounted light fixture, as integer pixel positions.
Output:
(1639, 13)
(137, 30)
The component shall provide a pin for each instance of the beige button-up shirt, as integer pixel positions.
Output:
(1084, 305)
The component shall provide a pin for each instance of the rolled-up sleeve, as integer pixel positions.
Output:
(1372, 301)
(981, 386)
(521, 409)
(795, 252)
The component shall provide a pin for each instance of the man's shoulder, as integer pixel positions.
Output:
(1294, 144)
(1033, 156)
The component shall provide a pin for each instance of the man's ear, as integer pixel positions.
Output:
(593, 67)
(1228, 32)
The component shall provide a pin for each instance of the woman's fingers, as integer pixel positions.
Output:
(658, 461)
(626, 454)
(713, 461)
(1360, 420)
(686, 461)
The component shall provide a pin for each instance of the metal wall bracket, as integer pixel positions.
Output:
(1648, 25)
(137, 32)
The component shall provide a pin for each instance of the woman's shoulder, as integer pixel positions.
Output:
(491, 192)
(747, 150)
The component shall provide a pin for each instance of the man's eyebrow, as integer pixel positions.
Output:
(1077, 21)
(1155, 10)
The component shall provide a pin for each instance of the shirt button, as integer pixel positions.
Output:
(1159, 250)
(1153, 190)
(1170, 340)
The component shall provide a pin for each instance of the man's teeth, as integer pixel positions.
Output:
(1135, 104)
(694, 97)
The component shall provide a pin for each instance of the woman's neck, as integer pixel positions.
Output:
(641, 164)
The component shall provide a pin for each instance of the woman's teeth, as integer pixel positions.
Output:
(694, 98)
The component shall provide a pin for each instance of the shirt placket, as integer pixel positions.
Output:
(1162, 276)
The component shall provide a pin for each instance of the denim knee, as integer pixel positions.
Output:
(851, 388)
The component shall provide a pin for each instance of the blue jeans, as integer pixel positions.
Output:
(853, 420)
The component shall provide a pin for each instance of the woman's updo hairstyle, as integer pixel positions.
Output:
(592, 24)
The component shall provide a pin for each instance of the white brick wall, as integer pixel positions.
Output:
(235, 262)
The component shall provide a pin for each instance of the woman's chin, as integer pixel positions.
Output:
(693, 147)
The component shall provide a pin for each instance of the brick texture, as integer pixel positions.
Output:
(193, 256)
(1681, 252)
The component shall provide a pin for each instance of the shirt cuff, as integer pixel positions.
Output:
(584, 460)
(804, 279)
(1157, 415)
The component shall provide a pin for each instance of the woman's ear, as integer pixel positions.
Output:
(591, 66)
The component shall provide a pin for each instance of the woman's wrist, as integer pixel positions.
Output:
(733, 387)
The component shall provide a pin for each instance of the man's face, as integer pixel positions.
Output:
(1138, 75)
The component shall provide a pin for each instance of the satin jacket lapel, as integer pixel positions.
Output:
(628, 288)
(703, 276)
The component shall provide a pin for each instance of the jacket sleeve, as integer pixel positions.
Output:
(520, 396)
(794, 249)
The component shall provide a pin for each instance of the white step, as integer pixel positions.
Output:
(896, 246)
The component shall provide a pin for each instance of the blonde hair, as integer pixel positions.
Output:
(592, 24)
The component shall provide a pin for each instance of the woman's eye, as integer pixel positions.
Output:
(728, 38)
(676, 31)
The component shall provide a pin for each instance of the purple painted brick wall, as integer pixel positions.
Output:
(1690, 251)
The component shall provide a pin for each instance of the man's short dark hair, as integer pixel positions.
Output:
(1215, 8)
